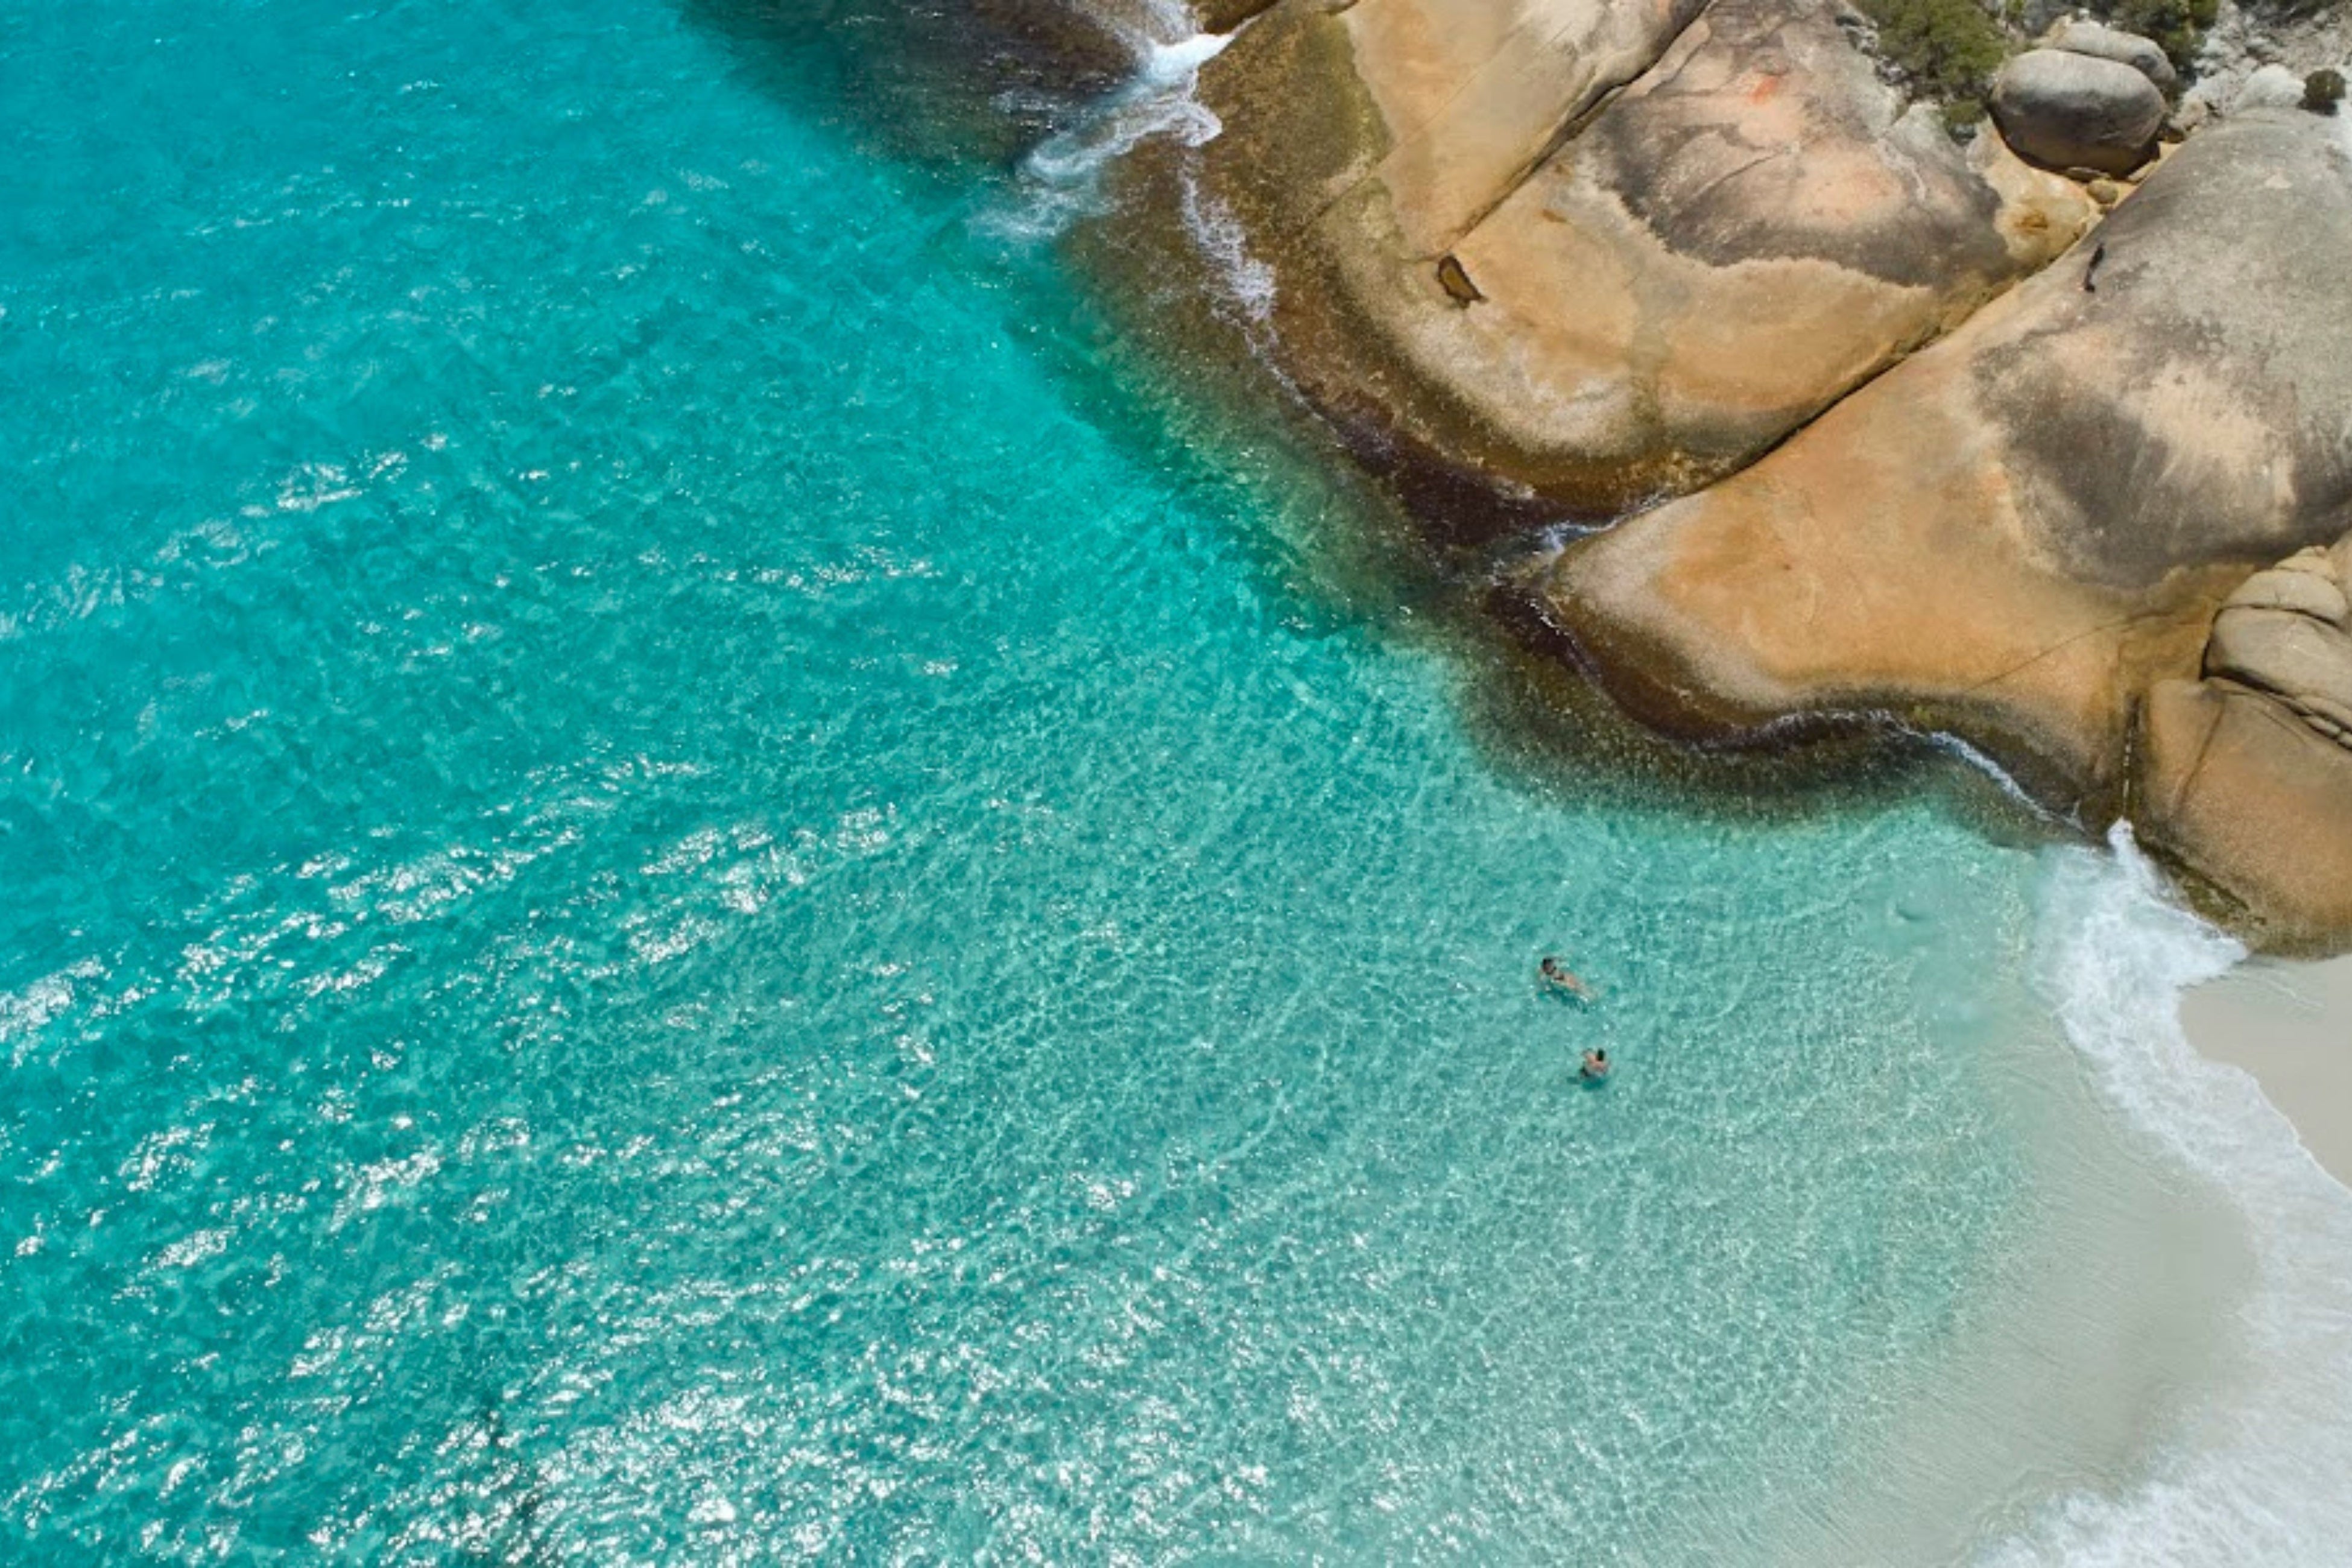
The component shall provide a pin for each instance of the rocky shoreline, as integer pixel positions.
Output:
(2052, 452)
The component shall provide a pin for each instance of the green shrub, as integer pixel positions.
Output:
(1947, 49)
(2323, 91)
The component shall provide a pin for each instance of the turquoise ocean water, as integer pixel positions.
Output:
(674, 895)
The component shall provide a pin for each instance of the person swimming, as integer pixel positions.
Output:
(1556, 975)
(1596, 1064)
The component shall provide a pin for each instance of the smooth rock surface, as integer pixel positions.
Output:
(2287, 633)
(2026, 527)
(1433, 110)
(2253, 806)
(1754, 225)
(2067, 111)
(2076, 37)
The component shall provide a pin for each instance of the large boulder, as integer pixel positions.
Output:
(2244, 763)
(1483, 262)
(2022, 531)
(2069, 110)
(1434, 108)
(2146, 56)
(2287, 633)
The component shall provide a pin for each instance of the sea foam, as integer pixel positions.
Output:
(2257, 1474)
(1061, 179)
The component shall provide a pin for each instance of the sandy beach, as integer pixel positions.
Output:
(2290, 1024)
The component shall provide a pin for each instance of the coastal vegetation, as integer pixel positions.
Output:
(2177, 27)
(1946, 50)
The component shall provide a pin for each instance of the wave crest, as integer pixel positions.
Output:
(2258, 1474)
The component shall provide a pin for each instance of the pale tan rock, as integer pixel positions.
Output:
(2023, 530)
(1445, 104)
(2039, 214)
(2305, 663)
(2306, 584)
(2286, 633)
(1474, 94)
(1750, 228)
(2255, 806)
(2079, 37)
(1880, 561)
(2065, 110)
(2021, 527)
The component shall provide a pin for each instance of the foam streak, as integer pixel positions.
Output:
(1061, 180)
(2259, 1474)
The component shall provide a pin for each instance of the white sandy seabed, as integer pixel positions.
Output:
(2260, 1471)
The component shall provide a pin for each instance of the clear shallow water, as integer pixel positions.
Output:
(670, 899)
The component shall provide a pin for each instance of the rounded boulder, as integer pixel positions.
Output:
(2067, 111)
(2103, 42)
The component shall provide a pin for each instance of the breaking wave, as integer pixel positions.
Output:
(1060, 181)
(2258, 1475)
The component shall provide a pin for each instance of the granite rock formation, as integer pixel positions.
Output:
(2070, 110)
(2076, 37)
(1887, 424)
(2241, 764)
(2025, 530)
(1604, 252)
